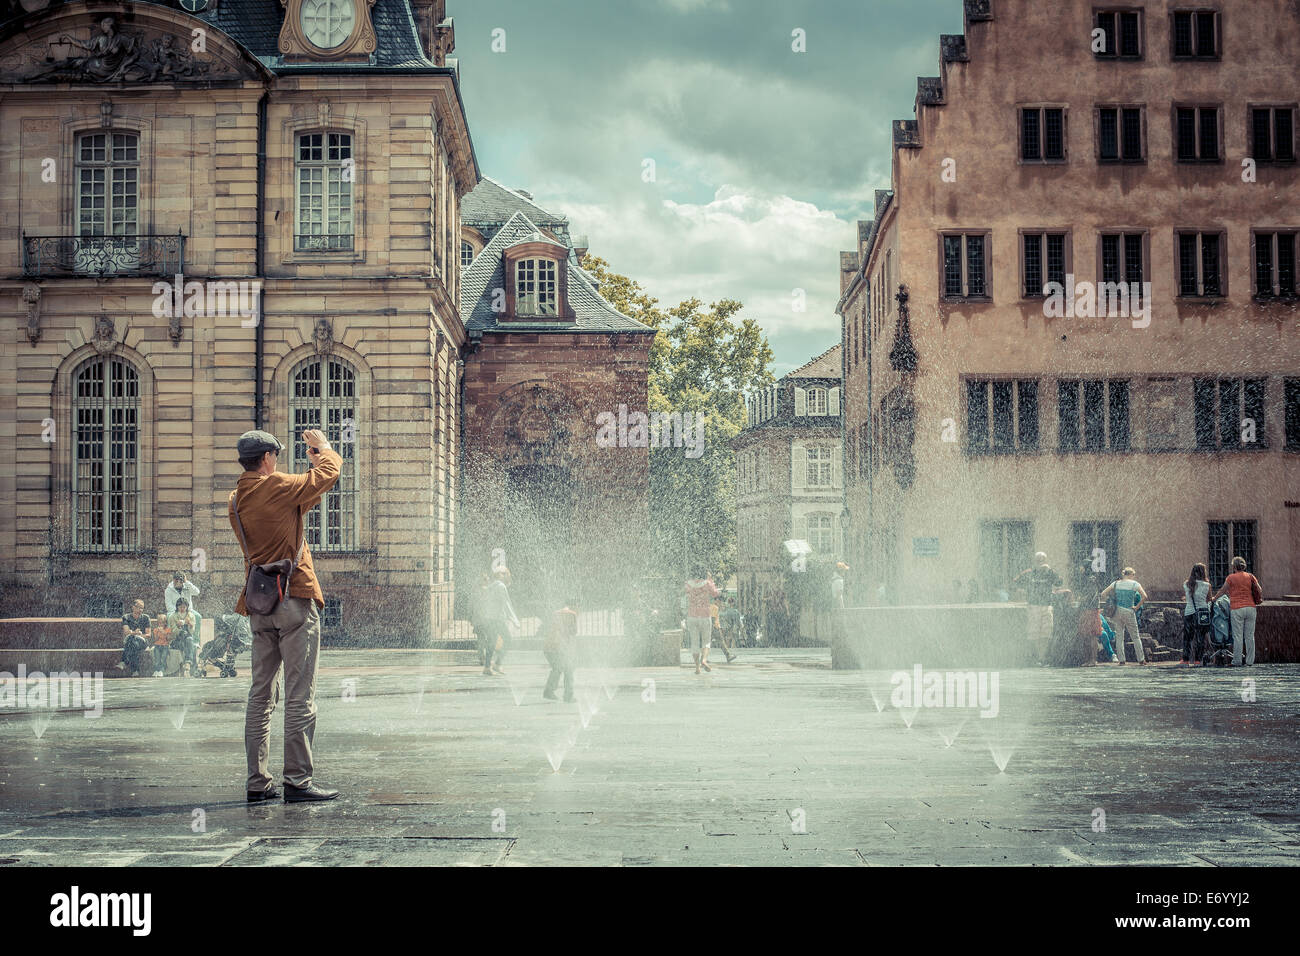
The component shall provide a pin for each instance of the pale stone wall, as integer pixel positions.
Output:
(389, 302)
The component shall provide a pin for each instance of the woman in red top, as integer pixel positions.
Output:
(1245, 594)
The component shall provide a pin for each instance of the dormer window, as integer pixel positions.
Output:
(537, 281)
(535, 287)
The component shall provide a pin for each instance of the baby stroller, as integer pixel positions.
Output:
(1219, 651)
(226, 645)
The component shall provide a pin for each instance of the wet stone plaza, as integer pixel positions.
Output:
(773, 760)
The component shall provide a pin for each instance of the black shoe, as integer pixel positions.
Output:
(306, 794)
(270, 793)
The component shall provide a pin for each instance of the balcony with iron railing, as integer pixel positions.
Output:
(102, 256)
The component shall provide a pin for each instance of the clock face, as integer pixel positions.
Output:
(327, 23)
(194, 6)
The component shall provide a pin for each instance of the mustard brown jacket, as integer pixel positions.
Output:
(271, 509)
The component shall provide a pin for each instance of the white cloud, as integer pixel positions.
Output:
(744, 244)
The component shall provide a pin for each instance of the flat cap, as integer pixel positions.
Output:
(257, 443)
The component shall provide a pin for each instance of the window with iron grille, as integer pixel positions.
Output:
(1120, 134)
(1088, 537)
(1201, 265)
(108, 184)
(1272, 134)
(331, 615)
(324, 202)
(1121, 33)
(535, 287)
(1001, 416)
(106, 465)
(466, 254)
(1196, 132)
(1228, 540)
(1042, 134)
(1092, 416)
(1044, 256)
(1291, 397)
(1196, 34)
(1274, 264)
(1230, 413)
(965, 266)
(323, 396)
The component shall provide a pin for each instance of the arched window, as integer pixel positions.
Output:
(466, 254)
(106, 463)
(322, 395)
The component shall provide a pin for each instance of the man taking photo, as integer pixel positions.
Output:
(268, 513)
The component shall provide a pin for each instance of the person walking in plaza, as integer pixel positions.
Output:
(700, 592)
(1244, 592)
(135, 640)
(1128, 595)
(1196, 615)
(561, 650)
(268, 512)
(1039, 583)
(478, 619)
(500, 618)
(719, 632)
(732, 628)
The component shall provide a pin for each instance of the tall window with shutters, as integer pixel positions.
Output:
(106, 456)
(323, 395)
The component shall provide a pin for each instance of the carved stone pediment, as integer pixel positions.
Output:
(99, 49)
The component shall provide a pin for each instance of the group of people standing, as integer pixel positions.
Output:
(1110, 613)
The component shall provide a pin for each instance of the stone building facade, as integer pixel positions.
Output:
(546, 358)
(994, 406)
(300, 176)
(789, 482)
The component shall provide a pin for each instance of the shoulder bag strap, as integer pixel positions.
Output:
(239, 526)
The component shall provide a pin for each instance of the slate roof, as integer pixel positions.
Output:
(255, 24)
(487, 273)
(826, 365)
(491, 203)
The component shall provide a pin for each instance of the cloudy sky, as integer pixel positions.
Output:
(763, 158)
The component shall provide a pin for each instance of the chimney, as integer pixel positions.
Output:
(848, 266)
(525, 193)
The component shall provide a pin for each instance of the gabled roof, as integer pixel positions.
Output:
(826, 365)
(486, 274)
(491, 202)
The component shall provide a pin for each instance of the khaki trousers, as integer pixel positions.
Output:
(290, 636)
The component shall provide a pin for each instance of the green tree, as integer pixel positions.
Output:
(702, 361)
